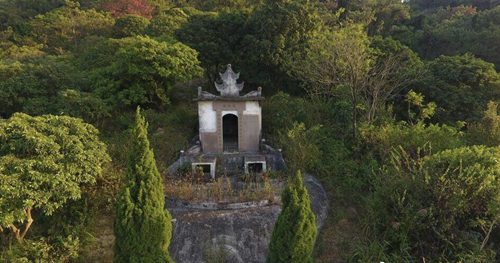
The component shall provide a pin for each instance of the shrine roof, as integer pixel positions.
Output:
(251, 96)
(229, 89)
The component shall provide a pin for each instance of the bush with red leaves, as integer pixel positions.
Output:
(119, 8)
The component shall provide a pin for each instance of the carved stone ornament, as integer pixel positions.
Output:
(229, 86)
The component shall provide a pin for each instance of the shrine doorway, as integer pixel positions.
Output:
(230, 132)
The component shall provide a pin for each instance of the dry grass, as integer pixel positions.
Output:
(223, 189)
(338, 237)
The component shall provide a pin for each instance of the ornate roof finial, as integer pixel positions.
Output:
(229, 85)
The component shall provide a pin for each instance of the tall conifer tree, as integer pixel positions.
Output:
(143, 227)
(295, 230)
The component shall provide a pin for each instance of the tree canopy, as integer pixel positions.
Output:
(44, 162)
(461, 86)
(143, 71)
(65, 27)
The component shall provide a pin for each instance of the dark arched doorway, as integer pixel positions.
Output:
(230, 132)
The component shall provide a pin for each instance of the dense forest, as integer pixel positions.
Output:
(393, 105)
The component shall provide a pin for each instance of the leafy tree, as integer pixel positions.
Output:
(142, 71)
(294, 233)
(276, 30)
(63, 28)
(453, 31)
(168, 22)
(380, 16)
(85, 105)
(385, 47)
(342, 64)
(387, 15)
(411, 69)
(33, 86)
(15, 13)
(223, 5)
(402, 70)
(219, 39)
(335, 65)
(39, 84)
(130, 25)
(460, 33)
(44, 162)
(461, 86)
(143, 227)
(430, 4)
(257, 42)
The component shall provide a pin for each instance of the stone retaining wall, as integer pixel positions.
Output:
(240, 231)
(181, 204)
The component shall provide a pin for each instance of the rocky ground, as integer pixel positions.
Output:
(238, 235)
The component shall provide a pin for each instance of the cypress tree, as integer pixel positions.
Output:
(294, 233)
(142, 226)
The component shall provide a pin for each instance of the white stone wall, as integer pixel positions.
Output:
(253, 108)
(207, 116)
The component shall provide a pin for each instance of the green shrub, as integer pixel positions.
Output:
(43, 250)
(294, 233)
(383, 139)
(300, 149)
(486, 131)
(84, 105)
(282, 110)
(441, 207)
(337, 166)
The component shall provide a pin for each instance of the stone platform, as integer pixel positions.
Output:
(240, 233)
(229, 163)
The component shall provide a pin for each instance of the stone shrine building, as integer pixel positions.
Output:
(230, 132)
(230, 122)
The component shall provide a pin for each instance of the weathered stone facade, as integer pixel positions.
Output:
(211, 113)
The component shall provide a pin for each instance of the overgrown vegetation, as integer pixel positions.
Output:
(223, 189)
(392, 104)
